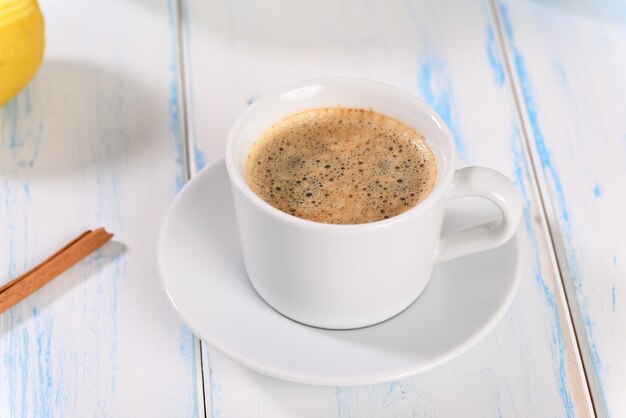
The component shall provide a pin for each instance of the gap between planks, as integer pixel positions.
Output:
(181, 80)
(567, 298)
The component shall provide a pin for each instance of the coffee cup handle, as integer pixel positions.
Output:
(491, 185)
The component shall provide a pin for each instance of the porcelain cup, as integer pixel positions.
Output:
(351, 276)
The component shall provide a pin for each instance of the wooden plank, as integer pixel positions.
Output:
(448, 53)
(569, 65)
(95, 140)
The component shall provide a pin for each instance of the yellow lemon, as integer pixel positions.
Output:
(21, 45)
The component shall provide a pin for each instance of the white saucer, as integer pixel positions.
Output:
(203, 275)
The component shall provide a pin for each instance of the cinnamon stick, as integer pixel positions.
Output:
(18, 289)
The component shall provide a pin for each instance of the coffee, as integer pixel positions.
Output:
(341, 166)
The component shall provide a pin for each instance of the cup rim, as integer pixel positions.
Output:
(238, 180)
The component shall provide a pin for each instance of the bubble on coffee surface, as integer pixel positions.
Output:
(341, 166)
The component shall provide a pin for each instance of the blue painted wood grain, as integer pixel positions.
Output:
(522, 179)
(70, 146)
(568, 62)
(435, 88)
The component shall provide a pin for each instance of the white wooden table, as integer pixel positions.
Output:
(136, 96)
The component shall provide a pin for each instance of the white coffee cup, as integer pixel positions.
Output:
(350, 276)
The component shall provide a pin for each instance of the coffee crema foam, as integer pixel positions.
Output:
(341, 166)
